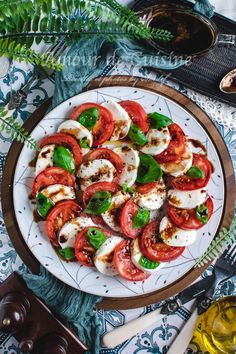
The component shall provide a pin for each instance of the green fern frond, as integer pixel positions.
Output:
(131, 18)
(222, 240)
(43, 18)
(48, 20)
(21, 52)
(15, 130)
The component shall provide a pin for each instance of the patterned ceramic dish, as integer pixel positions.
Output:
(87, 279)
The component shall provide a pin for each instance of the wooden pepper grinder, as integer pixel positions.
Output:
(14, 310)
(51, 343)
(29, 337)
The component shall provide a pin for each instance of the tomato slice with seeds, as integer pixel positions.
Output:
(126, 217)
(52, 175)
(123, 263)
(98, 187)
(104, 126)
(187, 183)
(84, 251)
(186, 218)
(136, 113)
(146, 187)
(58, 216)
(107, 154)
(153, 248)
(176, 147)
(67, 141)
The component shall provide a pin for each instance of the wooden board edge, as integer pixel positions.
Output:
(7, 193)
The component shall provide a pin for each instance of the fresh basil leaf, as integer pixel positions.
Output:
(84, 143)
(202, 213)
(149, 170)
(157, 120)
(195, 172)
(95, 237)
(141, 218)
(146, 263)
(136, 135)
(127, 189)
(67, 253)
(99, 203)
(62, 157)
(43, 205)
(89, 117)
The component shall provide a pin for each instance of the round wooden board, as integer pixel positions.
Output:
(227, 215)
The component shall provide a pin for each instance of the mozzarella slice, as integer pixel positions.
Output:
(69, 230)
(110, 216)
(99, 170)
(178, 168)
(158, 141)
(45, 158)
(152, 200)
(136, 257)
(130, 160)
(121, 119)
(78, 130)
(173, 236)
(58, 192)
(103, 259)
(187, 199)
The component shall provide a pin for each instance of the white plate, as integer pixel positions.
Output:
(87, 279)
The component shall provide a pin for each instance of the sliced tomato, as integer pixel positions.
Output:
(98, 187)
(104, 127)
(187, 183)
(61, 213)
(127, 215)
(146, 187)
(67, 141)
(107, 154)
(186, 218)
(153, 248)
(176, 147)
(52, 175)
(136, 113)
(123, 264)
(84, 251)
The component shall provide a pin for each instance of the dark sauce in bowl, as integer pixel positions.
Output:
(192, 34)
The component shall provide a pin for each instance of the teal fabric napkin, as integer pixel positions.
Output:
(73, 307)
(93, 54)
(85, 61)
(87, 58)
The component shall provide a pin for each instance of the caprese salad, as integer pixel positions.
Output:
(121, 190)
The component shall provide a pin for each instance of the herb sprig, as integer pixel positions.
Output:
(226, 237)
(15, 130)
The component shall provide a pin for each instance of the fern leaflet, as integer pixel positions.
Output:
(223, 239)
(15, 130)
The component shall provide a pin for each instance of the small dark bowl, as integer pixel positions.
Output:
(194, 34)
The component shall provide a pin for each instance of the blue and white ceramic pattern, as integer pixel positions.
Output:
(155, 339)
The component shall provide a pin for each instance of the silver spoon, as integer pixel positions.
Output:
(228, 83)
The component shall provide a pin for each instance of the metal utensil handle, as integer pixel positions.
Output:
(181, 343)
(226, 39)
(130, 329)
(205, 301)
(21, 94)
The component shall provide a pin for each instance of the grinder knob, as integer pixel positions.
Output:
(14, 309)
(52, 343)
